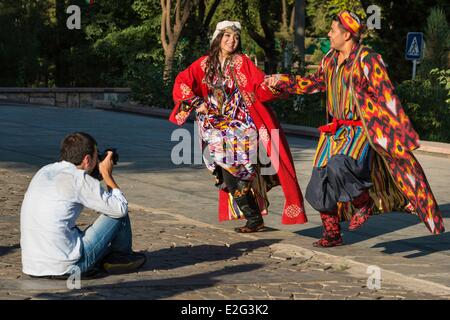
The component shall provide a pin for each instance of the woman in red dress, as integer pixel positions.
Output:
(226, 90)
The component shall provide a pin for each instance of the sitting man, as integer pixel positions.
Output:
(51, 243)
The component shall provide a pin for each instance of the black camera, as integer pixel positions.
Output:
(101, 156)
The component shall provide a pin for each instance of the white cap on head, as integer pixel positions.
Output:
(222, 25)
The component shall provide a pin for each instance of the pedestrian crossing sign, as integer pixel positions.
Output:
(414, 46)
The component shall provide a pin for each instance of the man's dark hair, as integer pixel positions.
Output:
(76, 146)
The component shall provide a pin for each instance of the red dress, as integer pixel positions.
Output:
(190, 86)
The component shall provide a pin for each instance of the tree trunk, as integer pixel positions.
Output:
(168, 64)
(270, 61)
(170, 34)
(266, 42)
(61, 67)
(299, 35)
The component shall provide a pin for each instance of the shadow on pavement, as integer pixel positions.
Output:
(390, 222)
(445, 208)
(171, 258)
(421, 245)
(153, 288)
(376, 226)
(6, 250)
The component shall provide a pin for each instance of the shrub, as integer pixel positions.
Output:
(427, 103)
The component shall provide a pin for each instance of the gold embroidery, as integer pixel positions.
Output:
(293, 211)
(203, 64)
(264, 135)
(237, 65)
(249, 98)
(181, 117)
(185, 90)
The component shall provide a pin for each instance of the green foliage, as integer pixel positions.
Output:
(305, 110)
(443, 78)
(397, 19)
(24, 33)
(437, 39)
(320, 12)
(145, 81)
(333, 7)
(119, 45)
(427, 103)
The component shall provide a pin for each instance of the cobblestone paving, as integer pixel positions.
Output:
(186, 260)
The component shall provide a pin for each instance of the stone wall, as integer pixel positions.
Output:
(65, 97)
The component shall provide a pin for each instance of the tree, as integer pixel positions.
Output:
(397, 19)
(299, 35)
(205, 17)
(437, 39)
(268, 16)
(25, 33)
(286, 33)
(171, 34)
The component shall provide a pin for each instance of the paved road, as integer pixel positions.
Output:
(191, 260)
(396, 242)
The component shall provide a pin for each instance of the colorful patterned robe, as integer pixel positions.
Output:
(399, 180)
(190, 89)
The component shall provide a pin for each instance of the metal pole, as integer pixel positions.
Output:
(414, 69)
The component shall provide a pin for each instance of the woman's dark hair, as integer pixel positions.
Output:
(213, 63)
(355, 37)
(76, 146)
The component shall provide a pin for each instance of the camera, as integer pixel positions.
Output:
(101, 156)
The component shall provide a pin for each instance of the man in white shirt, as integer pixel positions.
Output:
(51, 243)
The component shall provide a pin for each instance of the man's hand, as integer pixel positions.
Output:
(106, 167)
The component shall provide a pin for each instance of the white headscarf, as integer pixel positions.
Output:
(222, 25)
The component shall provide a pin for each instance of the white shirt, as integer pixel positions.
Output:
(50, 240)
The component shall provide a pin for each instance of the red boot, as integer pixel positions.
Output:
(332, 231)
(364, 206)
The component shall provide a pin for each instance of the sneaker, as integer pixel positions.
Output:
(94, 273)
(117, 263)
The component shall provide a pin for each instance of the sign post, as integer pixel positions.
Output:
(414, 49)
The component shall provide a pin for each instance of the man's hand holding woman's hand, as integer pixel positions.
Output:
(272, 80)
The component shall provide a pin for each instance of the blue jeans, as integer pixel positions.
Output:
(105, 235)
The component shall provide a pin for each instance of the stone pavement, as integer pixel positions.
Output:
(188, 259)
(409, 257)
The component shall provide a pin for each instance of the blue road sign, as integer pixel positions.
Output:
(414, 46)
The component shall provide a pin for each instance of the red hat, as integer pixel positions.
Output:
(351, 22)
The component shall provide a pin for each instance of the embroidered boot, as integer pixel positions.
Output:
(331, 231)
(248, 206)
(364, 205)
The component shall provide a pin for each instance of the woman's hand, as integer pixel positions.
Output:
(203, 108)
(272, 80)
